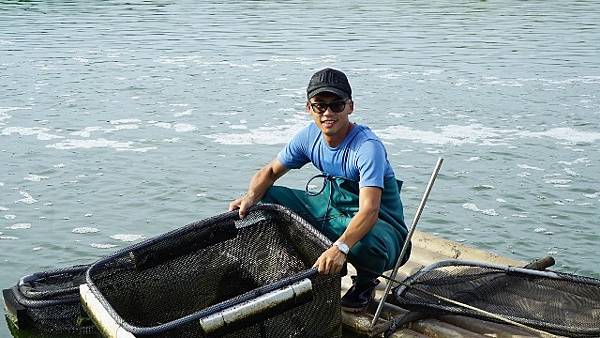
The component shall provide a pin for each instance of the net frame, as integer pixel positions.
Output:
(331, 282)
(49, 302)
(408, 295)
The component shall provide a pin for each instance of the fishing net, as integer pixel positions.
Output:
(170, 285)
(49, 302)
(555, 302)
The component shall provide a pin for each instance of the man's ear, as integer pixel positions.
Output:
(308, 108)
(351, 107)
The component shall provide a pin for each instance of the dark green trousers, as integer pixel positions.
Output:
(331, 211)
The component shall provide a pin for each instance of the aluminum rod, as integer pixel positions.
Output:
(388, 286)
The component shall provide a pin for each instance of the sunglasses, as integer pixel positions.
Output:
(335, 106)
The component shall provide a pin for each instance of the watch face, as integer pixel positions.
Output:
(343, 247)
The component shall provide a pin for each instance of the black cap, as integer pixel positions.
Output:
(329, 80)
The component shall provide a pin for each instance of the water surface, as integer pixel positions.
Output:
(120, 121)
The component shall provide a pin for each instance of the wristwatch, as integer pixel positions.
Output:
(343, 247)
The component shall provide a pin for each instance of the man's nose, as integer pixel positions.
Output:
(328, 111)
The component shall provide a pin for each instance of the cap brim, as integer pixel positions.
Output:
(333, 90)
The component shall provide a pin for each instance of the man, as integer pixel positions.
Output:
(359, 207)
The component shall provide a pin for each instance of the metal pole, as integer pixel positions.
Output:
(436, 170)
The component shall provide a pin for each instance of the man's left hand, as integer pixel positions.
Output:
(331, 261)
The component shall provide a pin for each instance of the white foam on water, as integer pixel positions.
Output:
(86, 132)
(238, 126)
(479, 134)
(183, 127)
(139, 150)
(1, 184)
(184, 113)
(89, 144)
(485, 186)
(27, 198)
(41, 133)
(473, 207)
(576, 161)
(122, 127)
(9, 216)
(557, 181)
(125, 121)
(567, 134)
(85, 230)
(35, 178)
(8, 237)
(60, 165)
(127, 237)
(37, 248)
(473, 158)
(570, 172)
(451, 134)
(525, 166)
(164, 125)
(3, 117)
(172, 140)
(3, 208)
(88, 215)
(524, 174)
(17, 226)
(262, 135)
(504, 83)
(540, 229)
(202, 194)
(500, 200)
(103, 246)
(594, 195)
(8, 109)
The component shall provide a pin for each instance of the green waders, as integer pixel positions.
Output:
(331, 211)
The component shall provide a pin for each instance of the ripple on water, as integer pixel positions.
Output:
(17, 226)
(525, 166)
(473, 207)
(85, 230)
(27, 198)
(35, 178)
(103, 245)
(484, 187)
(127, 237)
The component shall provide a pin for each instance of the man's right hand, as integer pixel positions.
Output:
(243, 204)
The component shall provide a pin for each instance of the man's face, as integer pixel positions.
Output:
(330, 113)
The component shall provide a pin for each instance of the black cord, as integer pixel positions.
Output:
(327, 179)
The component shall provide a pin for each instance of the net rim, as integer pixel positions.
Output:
(150, 330)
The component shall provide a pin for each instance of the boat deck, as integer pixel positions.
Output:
(428, 249)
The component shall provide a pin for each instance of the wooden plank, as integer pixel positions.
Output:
(437, 329)
(488, 328)
(407, 333)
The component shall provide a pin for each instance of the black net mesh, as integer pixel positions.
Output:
(51, 302)
(560, 303)
(216, 260)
